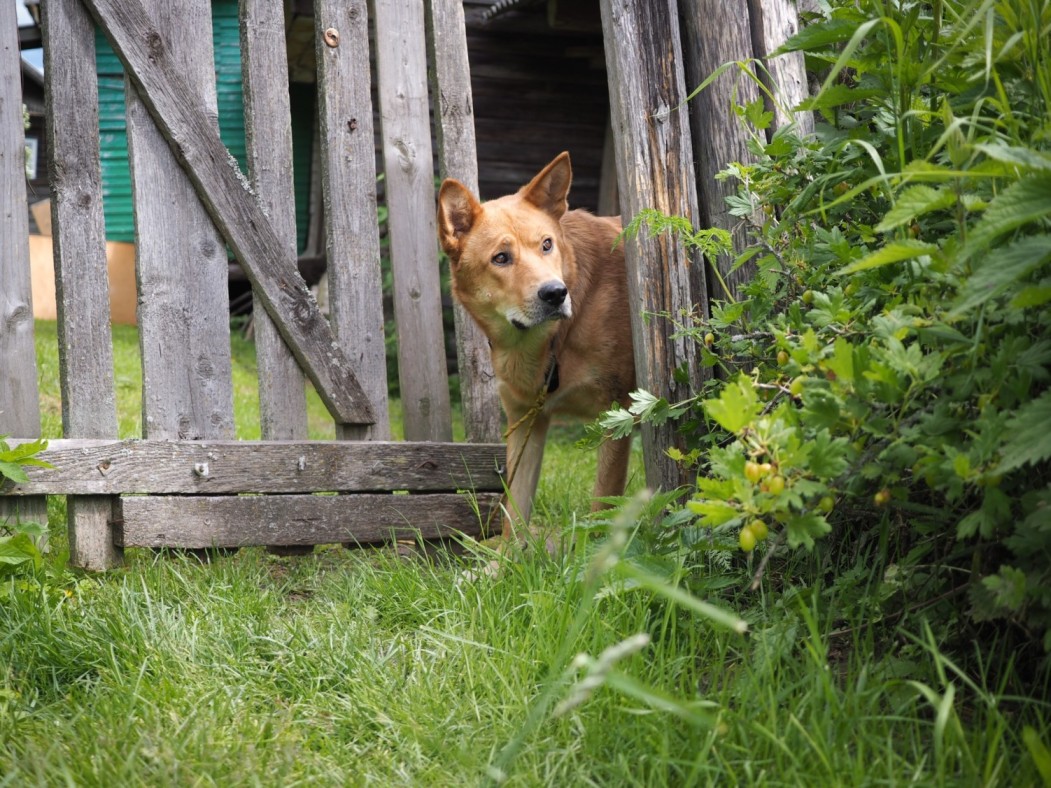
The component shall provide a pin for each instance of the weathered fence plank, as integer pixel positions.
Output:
(144, 53)
(230, 521)
(717, 32)
(107, 467)
(180, 260)
(773, 23)
(19, 400)
(457, 158)
(84, 345)
(348, 180)
(654, 170)
(268, 145)
(401, 60)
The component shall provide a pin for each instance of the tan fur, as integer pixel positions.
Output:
(590, 329)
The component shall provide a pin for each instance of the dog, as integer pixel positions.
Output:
(548, 287)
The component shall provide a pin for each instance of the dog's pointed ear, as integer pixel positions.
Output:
(550, 188)
(458, 210)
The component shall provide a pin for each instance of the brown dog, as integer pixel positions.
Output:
(550, 292)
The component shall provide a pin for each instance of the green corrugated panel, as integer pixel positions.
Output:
(116, 176)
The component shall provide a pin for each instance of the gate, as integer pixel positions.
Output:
(188, 483)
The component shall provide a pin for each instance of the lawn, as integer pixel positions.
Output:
(367, 667)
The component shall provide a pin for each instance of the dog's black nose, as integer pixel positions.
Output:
(553, 293)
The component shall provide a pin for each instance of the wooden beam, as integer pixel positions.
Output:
(268, 146)
(401, 62)
(348, 180)
(101, 467)
(19, 398)
(717, 32)
(85, 351)
(458, 158)
(655, 170)
(143, 49)
(773, 23)
(291, 520)
(180, 258)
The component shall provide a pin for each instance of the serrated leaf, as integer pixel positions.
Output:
(915, 201)
(836, 96)
(895, 252)
(819, 35)
(998, 270)
(1028, 297)
(803, 529)
(841, 362)
(1028, 438)
(1027, 200)
(737, 405)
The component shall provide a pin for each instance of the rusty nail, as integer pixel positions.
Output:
(332, 37)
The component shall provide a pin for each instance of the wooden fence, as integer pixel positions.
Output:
(184, 484)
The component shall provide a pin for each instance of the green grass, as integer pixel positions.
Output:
(366, 668)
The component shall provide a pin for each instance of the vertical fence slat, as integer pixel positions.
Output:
(773, 23)
(268, 144)
(348, 178)
(82, 290)
(19, 398)
(654, 170)
(404, 108)
(717, 32)
(181, 265)
(458, 158)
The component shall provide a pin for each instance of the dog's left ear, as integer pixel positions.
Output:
(457, 212)
(550, 188)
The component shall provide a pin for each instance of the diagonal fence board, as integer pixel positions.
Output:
(237, 213)
(290, 520)
(103, 467)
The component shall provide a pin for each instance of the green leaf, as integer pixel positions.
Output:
(756, 115)
(915, 201)
(803, 529)
(712, 513)
(1028, 437)
(1001, 268)
(836, 96)
(819, 35)
(842, 360)
(1039, 752)
(1007, 588)
(1028, 297)
(895, 252)
(737, 406)
(12, 471)
(684, 599)
(1026, 158)
(1026, 201)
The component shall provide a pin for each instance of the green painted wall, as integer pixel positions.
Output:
(116, 177)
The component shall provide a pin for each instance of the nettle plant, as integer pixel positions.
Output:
(884, 378)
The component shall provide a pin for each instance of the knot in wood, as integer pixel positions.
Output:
(201, 469)
(154, 45)
(331, 36)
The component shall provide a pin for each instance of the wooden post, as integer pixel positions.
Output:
(348, 181)
(268, 144)
(78, 229)
(401, 60)
(180, 258)
(19, 399)
(773, 23)
(458, 158)
(717, 32)
(654, 170)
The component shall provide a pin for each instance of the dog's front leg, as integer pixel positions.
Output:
(525, 453)
(613, 457)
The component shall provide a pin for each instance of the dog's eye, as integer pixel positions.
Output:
(547, 244)
(501, 258)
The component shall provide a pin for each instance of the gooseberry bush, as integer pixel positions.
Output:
(881, 385)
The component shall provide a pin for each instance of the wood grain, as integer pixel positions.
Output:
(238, 521)
(654, 170)
(82, 291)
(180, 259)
(773, 23)
(717, 32)
(19, 399)
(99, 467)
(348, 183)
(143, 49)
(401, 62)
(268, 145)
(458, 158)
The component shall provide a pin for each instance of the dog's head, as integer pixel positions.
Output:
(509, 258)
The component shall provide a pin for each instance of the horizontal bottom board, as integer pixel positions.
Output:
(240, 521)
